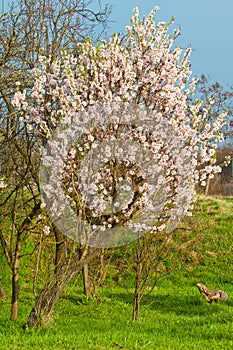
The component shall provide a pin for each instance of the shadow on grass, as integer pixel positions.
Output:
(180, 305)
(163, 303)
(77, 300)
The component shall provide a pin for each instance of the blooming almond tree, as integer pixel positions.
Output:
(124, 143)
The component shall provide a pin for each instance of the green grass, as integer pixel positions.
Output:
(174, 316)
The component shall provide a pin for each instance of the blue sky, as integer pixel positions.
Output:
(206, 25)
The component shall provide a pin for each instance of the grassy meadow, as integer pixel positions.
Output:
(175, 316)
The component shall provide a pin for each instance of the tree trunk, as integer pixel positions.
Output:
(136, 306)
(15, 294)
(138, 277)
(43, 307)
(102, 269)
(207, 188)
(2, 292)
(86, 280)
(15, 279)
(137, 297)
(61, 248)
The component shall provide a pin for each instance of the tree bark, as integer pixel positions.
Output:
(86, 280)
(102, 269)
(136, 306)
(61, 248)
(207, 186)
(15, 278)
(47, 298)
(15, 294)
(2, 292)
(138, 277)
(137, 297)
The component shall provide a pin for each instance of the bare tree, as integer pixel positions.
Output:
(152, 256)
(13, 255)
(26, 29)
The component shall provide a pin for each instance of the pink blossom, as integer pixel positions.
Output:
(141, 71)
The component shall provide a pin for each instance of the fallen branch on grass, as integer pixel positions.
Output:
(212, 295)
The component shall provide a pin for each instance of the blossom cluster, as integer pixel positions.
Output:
(2, 182)
(96, 94)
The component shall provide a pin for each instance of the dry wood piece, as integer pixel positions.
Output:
(212, 295)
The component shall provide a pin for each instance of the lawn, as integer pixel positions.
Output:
(175, 316)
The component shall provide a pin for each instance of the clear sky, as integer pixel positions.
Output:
(206, 26)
